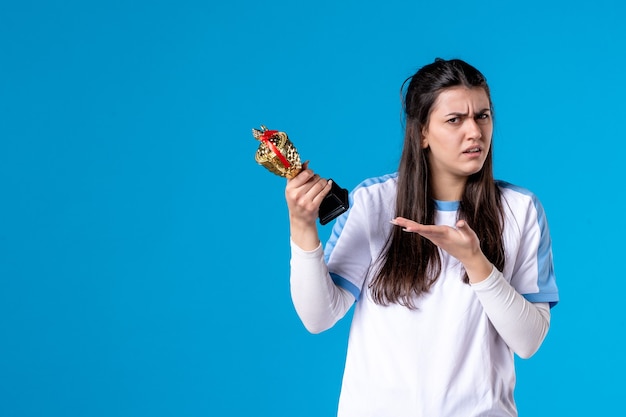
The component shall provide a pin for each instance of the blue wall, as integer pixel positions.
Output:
(144, 253)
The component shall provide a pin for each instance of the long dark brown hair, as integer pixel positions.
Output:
(409, 263)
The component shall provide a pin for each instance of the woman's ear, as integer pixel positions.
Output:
(424, 139)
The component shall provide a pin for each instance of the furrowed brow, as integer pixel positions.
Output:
(459, 114)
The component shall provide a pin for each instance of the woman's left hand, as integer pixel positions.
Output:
(460, 242)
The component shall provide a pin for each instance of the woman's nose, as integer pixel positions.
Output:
(473, 129)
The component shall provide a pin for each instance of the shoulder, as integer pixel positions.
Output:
(373, 195)
(522, 204)
(512, 188)
(381, 184)
(515, 195)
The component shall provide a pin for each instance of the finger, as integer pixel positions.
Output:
(464, 228)
(302, 178)
(323, 192)
(318, 186)
(429, 233)
(407, 225)
(426, 229)
(298, 190)
(403, 222)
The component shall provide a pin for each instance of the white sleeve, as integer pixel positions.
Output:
(318, 301)
(521, 324)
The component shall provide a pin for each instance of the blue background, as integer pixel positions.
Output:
(144, 254)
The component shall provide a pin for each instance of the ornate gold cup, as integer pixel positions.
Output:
(280, 156)
(277, 153)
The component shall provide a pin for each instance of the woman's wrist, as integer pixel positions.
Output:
(304, 235)
(478, 268)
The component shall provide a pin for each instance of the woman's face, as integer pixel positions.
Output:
(458, 133)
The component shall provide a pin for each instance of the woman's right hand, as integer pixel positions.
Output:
(305, 193)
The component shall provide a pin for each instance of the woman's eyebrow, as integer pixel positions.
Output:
(459, 114)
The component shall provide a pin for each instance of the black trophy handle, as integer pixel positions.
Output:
(334, 204)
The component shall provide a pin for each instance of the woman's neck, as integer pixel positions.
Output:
(448, 188)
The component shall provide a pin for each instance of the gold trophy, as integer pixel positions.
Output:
(279, 155)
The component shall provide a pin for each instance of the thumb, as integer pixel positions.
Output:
(463, 227)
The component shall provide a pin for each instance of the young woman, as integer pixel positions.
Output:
(451, 271)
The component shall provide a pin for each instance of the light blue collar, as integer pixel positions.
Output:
(446, 205)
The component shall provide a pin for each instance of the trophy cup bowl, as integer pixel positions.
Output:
(279, 155)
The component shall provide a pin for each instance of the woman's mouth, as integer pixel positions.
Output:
(472, 150)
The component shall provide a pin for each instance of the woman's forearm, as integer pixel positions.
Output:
(317, 300)
(523, 325)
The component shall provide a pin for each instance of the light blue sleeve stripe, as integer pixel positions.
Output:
(542, 298)
(346, 285)
(546, 280)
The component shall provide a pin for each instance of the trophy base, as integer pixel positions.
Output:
(334, 204)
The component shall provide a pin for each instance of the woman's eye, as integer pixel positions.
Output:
(453, 120)
(483, 116)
